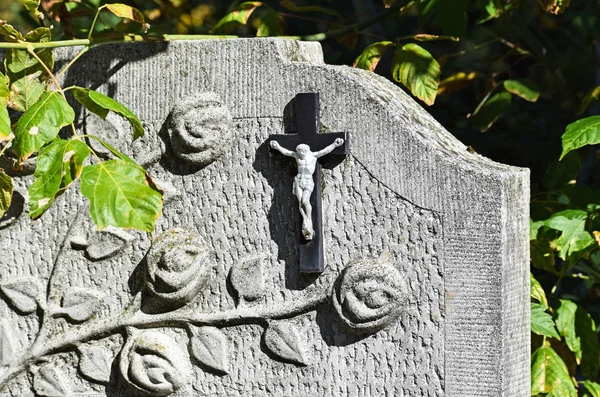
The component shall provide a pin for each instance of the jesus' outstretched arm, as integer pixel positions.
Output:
(328, 149)
(275, 145)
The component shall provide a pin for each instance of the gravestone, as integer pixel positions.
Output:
(424, 282)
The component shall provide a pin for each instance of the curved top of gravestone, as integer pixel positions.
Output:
(254, 77)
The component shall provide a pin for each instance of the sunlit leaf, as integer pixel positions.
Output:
(371, 55)
(579, 331)
(590, 97)
(537, 292)
(489, 112)
(128, 12)
(555, 7)
(524, 88)
(549, 374)
(28, 79)
(414, 67)
(100, 105)
(31, 5)
(58, 165)
(270, 24)
(9, 32)
(456, 82)
(40, 124)
(388, 3)
(290, 5)
(592, 388)
(581, 133)
(432, 37)
(5, 131)
(541, 322)
(574, 237)
(120, 195)
(6, 192)
(453, 17)
(238, 17)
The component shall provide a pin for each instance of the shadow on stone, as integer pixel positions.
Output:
(333, 331)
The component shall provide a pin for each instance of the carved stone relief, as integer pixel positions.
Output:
(367, 296)
(200, 128)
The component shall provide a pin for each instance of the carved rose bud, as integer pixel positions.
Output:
(200, 128)
(153, 364)
(369, 295)
(178, 266)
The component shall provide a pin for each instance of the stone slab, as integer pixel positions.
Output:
(408, 200)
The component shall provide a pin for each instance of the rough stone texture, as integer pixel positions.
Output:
(452, 223)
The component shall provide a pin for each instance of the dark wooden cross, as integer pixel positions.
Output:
(307, 123)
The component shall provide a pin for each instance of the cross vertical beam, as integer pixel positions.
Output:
(307, 132)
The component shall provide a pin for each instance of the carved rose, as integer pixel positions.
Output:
(200, 128)
(178, 266)
(368, 295)
(152, 363)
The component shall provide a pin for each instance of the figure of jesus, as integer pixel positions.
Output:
(303, 182)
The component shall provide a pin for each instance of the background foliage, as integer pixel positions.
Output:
(516, 80)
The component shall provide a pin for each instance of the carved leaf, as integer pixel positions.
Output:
(80, 304)
(209, 347)
(283, 340)
(7, 344)
(23, 293)
(50, 382)
(94, 363)
(107, 243)
(247, 278)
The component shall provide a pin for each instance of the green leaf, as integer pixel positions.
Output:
(371, 55)
(6, 191)
(493, 108)
(549, 374)
(270, 24)
(100, 105)
(580, 133)
(128, 12)
(427, 8)
(524, 88)
(58, 165)
(31, 5)
(414, 67)
(5, 130)
(590, 97)
(28, 79)
(238, 17)
(537, 292)
(120, 195)
(573, 237)
(9, 32)
(579, 331)
(541, 322)
(453, 17)
(113, 150)
(562, 173)
(40, 124)
(290, 5)
(555, 7)
(592, 388)
(456, 82)
(431, 37)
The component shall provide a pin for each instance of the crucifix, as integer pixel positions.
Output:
(308, 148)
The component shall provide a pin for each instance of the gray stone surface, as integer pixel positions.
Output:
(81, 313)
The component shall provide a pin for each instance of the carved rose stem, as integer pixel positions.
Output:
(43, 347)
